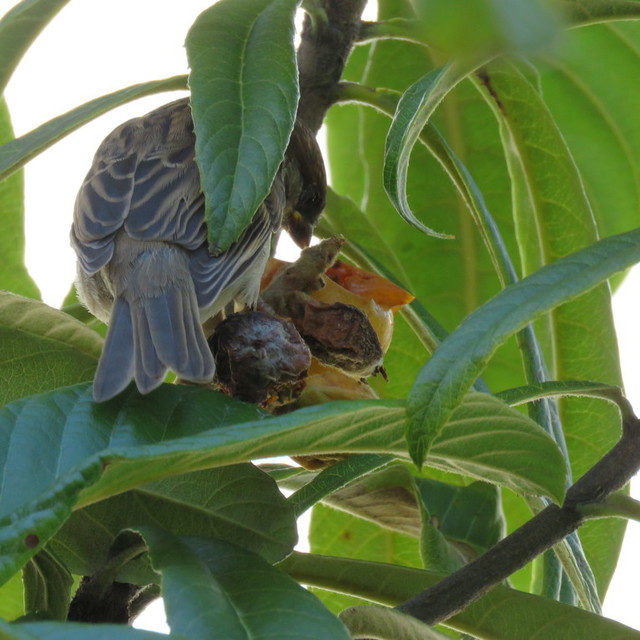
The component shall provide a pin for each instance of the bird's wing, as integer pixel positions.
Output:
(144, 179)
(214, 274)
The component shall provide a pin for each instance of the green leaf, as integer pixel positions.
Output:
(386, 624)
(334, 478)
(587, 101)
(386, 498)
(501, 614)
(47, 586)
(238, 503)
(12, 598)
(77, 631)
(243, 74)
(579, 388)
(458, 361)
(18, 152)
(480, 26)
(470, 516)
(215, 590)
(19, 27)
(13, 275)
(553, 219)
(338, 533)
(112, 447)
(414, 110)
(42, 348)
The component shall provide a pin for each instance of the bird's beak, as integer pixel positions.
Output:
(300, 230)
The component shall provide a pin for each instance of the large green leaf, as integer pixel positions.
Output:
(486, 25)
(77, 631)
(18, 152)
(238, 503)
(501, 614)
(462, 356)
(19, 27)
(13, 273)
(553, 219)
(112, 447)
(243, 74)
(214, 590)
(595, 110)
(42, 348)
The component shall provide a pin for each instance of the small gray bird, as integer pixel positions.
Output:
(143, 262)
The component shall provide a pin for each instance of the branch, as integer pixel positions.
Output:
(328, 35)
(548, 527)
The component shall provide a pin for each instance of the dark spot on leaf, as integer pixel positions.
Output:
(346, 535)
(31, 541)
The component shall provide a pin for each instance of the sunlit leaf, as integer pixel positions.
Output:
(12, 598)
(462, 356)
(13, 276)
(554, 218)
(19, 27)
(42, 348)
(18, 152)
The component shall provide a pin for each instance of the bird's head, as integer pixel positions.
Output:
(305, 184)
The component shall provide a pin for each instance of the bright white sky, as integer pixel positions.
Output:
(92, 48)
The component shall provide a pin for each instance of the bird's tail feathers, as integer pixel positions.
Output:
(161, 333)
(115, 368)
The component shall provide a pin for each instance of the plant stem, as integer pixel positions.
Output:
(617, 505)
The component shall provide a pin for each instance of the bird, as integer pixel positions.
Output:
(144, 265)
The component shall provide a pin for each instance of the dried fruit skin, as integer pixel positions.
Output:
(260, 358)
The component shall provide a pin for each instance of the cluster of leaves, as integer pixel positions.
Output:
(539, 152)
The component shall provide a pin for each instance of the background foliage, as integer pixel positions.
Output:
(516, 133)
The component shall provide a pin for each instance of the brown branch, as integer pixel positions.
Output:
(548, 527)
(327, 40)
